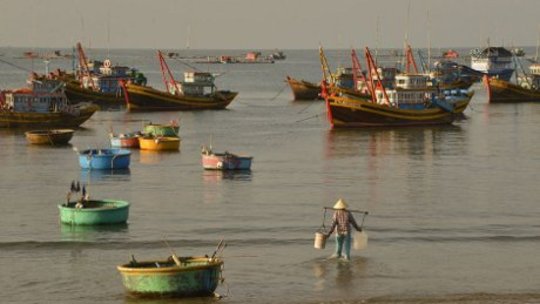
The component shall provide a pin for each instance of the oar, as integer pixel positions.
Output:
(174, 256)
(219, 248)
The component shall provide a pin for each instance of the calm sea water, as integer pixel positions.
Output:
(453, 210)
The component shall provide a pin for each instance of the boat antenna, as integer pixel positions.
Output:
(108, 34)
(188, 38)
(428, 21)
(377, 38)
(537, 45)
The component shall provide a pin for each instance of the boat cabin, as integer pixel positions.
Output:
(492, 59)
(42, 96)
(195, 84)
(532, 80)
(411, 92)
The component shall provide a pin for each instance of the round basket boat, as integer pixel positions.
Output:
(159, 143)
(193, 277)
(95, 212)
(54, 137)
(104, 159)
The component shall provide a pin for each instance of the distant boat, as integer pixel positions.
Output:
(94, 212)
(196, 92)
(174, 277)
(493, 61)
(54, 137)
(104, 159)
(43, 104)
(526, 89)
(304, 90)
(450, 54)
(159, 143)
(224, 161)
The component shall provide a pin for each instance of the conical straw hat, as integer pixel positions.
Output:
(340, 204)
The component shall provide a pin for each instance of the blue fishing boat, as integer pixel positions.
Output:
(104, 158)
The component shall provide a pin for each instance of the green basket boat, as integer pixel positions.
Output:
(193, 277)
(95, 212)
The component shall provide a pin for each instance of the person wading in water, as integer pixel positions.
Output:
(342, 220)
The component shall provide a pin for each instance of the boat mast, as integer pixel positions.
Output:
(83, 64)
(409, 57)
(165, 71)
(357, 70)
(429, 41)
(327, 74)
(372, 69)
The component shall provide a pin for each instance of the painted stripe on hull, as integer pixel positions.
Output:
(355, 113)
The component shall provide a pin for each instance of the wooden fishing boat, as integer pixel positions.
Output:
(43, 104)
(94, 212)
(190, 277)
(98, 81)
(410, 103)
(159, 143)
(104, 159)
(196, 92)
(224, 161)
(304, 90)
(54, 137)
(125, 140)
(527, 88)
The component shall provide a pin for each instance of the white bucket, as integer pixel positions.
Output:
(360, 240)
(320, 240)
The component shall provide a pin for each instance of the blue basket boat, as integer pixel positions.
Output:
(104, 159)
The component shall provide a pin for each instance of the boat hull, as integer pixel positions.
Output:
(159, 143)
(125, 142)
(53, 137)
(356, 113)
(100, 159)
(100, 212)
(303, 90)
(46, 120)
(226, 162)
(197, 276)
(140, 98)
(75, 93)
(500, 91)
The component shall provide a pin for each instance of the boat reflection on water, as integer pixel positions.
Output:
(89, 233)
(88, 176)
(151, 157)
(424, 141)
(214, 176)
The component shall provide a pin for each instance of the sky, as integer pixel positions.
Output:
(268, 24)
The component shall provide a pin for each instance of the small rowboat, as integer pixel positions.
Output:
(224, 161)
(191, 277)
(159, 143)
(94, 212)
(104, 158)
(53, 137)
(130, 140)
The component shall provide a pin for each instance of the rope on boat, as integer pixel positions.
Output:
(186, 64)
(16, 66)
(279, 93)
(311, 117)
